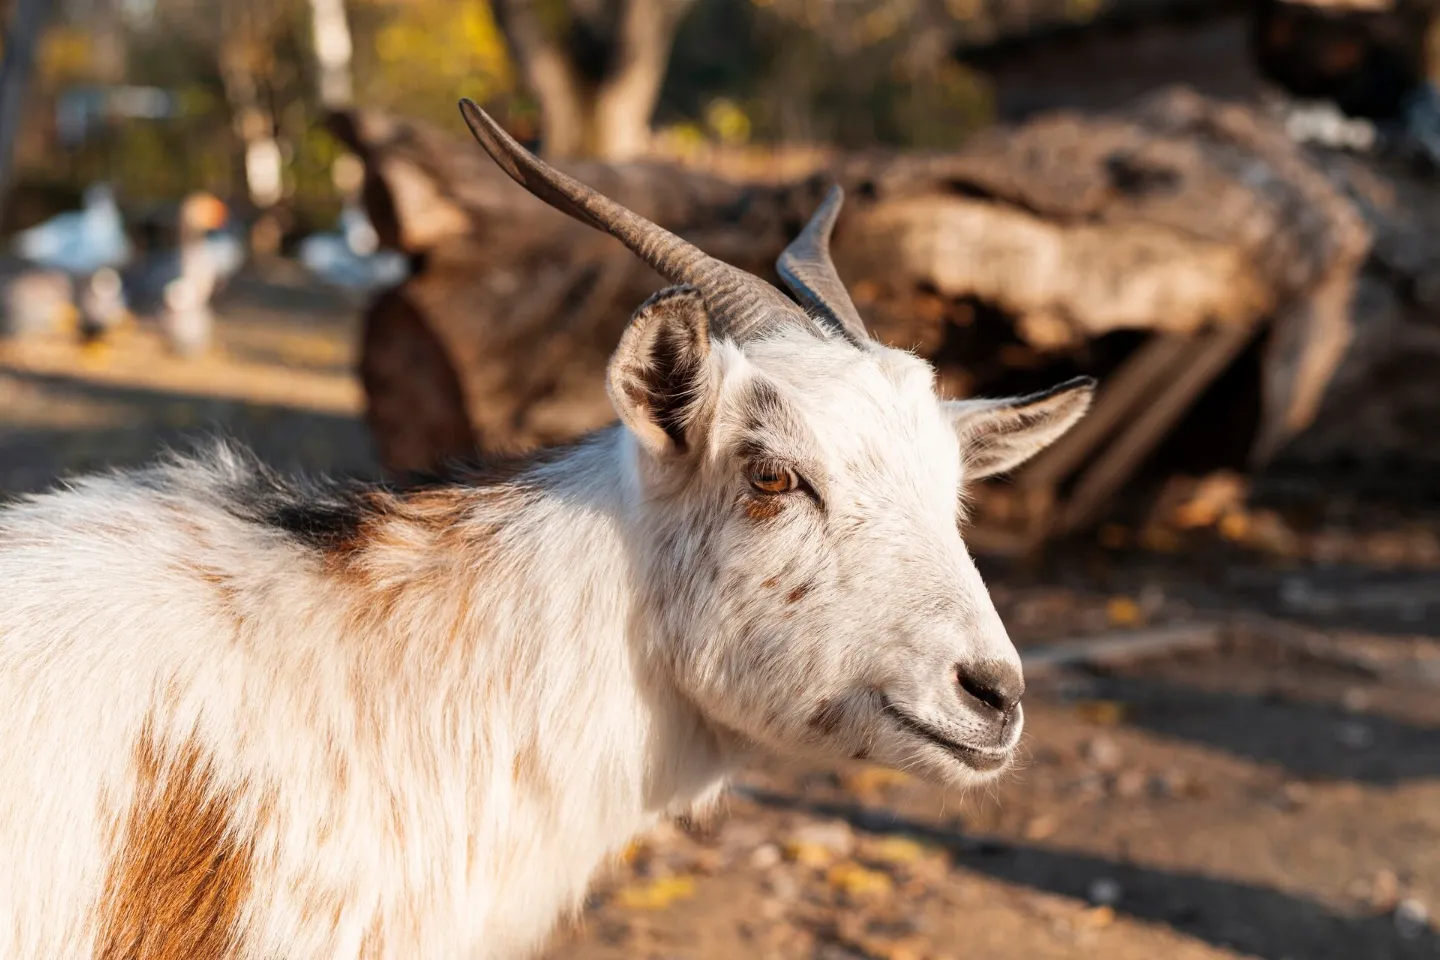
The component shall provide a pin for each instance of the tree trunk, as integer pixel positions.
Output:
(260, 158)
(330, 35)
(597, 74)
(22, 35)
(1031, 254)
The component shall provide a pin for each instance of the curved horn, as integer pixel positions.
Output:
(807, 270)
(739, 303)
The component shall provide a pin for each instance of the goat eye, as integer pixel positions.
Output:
(771, 478)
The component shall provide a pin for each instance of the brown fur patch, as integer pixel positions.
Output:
(761, 509)
(826, 718)
(178, 878)
(795, 595)
(770, 583)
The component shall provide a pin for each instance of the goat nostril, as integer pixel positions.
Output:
(994, 683)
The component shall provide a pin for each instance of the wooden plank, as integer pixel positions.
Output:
(1212, 353)
(1126, 646)
(1119, 395)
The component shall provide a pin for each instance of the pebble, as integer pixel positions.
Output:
(782, 886)
(835, 836)
(1131, 783)
(1103, 892)
(1356, 736)
(1385, 890)
(1103, 753)
(765, 856)
(1411, 919)
(1355, 700)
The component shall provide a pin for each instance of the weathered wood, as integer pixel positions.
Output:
(1213, 352)
(1177, 215)
(1121, 647)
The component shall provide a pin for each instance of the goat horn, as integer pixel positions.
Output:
(740, 304)
(808, 271)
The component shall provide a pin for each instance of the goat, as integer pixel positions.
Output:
(252, 717)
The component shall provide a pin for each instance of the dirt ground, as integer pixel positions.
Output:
(1274, 796)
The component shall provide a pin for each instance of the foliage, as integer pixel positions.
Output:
(424, 55)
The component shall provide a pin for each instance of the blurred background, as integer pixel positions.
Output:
(264, 218)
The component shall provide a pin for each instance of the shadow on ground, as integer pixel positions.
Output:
(1240, 916)
(1310, 740)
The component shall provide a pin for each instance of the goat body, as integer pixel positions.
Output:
(254, 720)
(247, 718)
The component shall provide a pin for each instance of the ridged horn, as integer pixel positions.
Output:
(808, 271)
(740, 304)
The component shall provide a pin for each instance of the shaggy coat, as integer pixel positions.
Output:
(252, 718)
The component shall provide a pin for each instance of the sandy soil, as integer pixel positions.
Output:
(1271, 797)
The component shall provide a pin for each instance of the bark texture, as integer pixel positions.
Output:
(1031, 252)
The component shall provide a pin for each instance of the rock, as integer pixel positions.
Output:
(1355, 700)
(1040, 827)
(1103, 753)
(1103, 892)
(834, 837)
(1411, 919)
(1131, 783)
(1356, 736)
(782, 886)
(765, 856)
(1385, 890)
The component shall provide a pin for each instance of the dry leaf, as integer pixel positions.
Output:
(897, 850)
(1104, 713)
(859, 881)
(656, 895)
(1123, 612)
(809, 854)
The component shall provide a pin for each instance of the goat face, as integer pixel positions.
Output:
(799, 532)
(802, 539)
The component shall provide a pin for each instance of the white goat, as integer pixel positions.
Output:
(250, 718)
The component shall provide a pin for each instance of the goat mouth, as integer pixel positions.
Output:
(983, 761)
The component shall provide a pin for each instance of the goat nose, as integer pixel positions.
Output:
(995, 683)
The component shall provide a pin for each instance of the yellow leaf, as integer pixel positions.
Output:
(1105, 713)
(1096, 917)
(898, 850)
(1234, 526)
(808, 854)
(1123, 612)
(656, 895)
(858, 881)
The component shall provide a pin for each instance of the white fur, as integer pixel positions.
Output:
(432, 750)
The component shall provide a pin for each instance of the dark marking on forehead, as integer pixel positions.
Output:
(762, 405)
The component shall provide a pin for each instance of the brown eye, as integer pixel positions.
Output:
(772, 478)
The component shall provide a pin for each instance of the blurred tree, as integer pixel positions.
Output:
(21, 36)
(595, 66)
(418, 57)
(330, 37)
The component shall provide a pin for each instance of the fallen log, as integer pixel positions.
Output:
(1180, 217)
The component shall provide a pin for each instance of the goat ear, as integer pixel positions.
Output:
(660, 378)
(999, 435)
